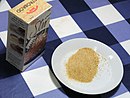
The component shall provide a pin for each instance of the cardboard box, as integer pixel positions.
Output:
(27, 32)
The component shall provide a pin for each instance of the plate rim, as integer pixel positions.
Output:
(94, 93)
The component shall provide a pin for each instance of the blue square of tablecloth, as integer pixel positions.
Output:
(101, 34)
(57, 9)
(2, 47)
(3, 20)
(120, 30)
(74, 6)
(126, 79)
(121, 53)
(6, 69)
(115, 1)
(14, 87)
(123, 8)
(96, 3)
(37, 64)
(14, 2)
(51, 34)
(87, 20)
(128, 20)
(49, 49)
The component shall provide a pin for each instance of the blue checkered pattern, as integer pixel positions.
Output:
(107, 21)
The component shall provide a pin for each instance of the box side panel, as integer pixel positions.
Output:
(15, 41)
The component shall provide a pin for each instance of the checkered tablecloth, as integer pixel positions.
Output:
(103, 20)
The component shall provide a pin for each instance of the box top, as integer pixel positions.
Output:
(28, 10)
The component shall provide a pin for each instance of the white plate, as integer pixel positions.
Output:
(110, 70)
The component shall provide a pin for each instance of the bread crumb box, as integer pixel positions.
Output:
(27, 32)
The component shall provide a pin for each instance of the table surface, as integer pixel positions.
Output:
(102, 20)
